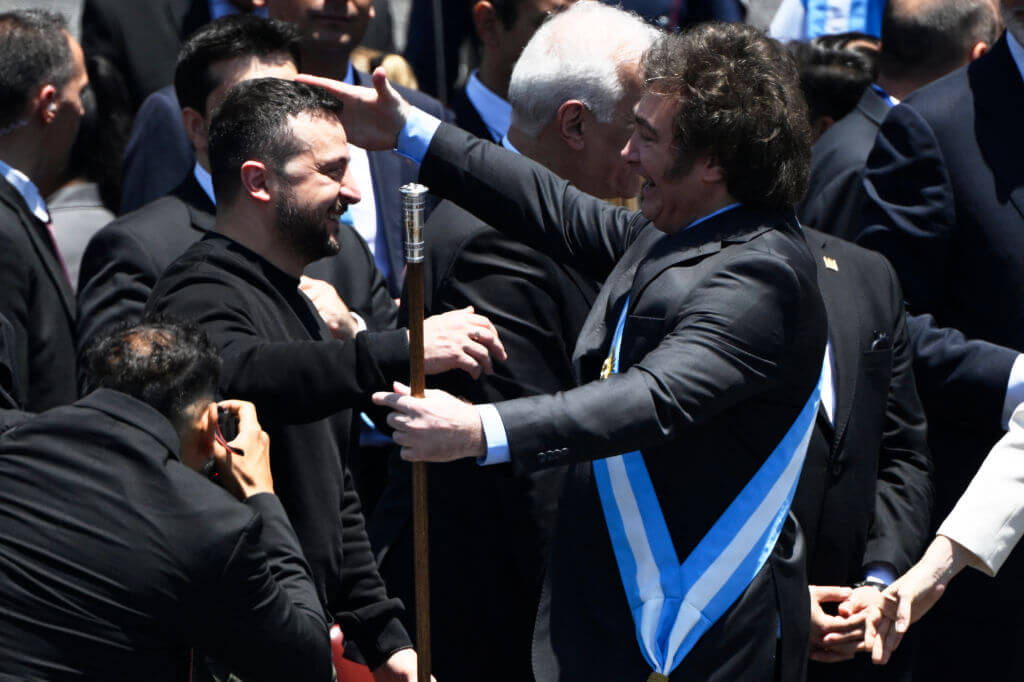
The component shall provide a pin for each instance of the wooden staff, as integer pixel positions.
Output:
(414, 197)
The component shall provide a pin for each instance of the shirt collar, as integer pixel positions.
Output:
(205, 181)
(1016, 51)
(28, 191)
(709, 216)
(495, 112)
(507, 144)
(135, 412)
(350, 74)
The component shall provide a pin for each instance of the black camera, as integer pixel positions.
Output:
(227, 422)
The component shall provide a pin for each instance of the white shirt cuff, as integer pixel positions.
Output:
(494, 434)
(360, 322)
(414, 140)
(1014, 391)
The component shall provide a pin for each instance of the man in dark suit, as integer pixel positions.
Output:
(279, 164)
(44, 76)
(865, 493)
(921, 41)
(945, 205)
(711, 333)
(538, 305)
(116, 557)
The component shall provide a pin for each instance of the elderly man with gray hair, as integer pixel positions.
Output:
(573, 92)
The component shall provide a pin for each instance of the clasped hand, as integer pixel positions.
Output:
(839, 637)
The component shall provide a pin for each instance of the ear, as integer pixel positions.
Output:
(711, 171)
(256, 179)
(197, 445)
(980, 48)
(195, 128)
(45, 104)
(486, 23)
(570, 117)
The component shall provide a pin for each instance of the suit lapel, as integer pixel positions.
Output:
(35, 230)
(873, 106)
(202, 212)
(999, 96)
(844, 317)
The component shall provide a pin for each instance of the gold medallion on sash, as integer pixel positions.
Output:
(606, 368)
(657, 677)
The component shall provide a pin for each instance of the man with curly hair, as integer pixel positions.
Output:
(698, 367)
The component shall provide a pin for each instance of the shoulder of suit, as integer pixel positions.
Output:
(844, 252)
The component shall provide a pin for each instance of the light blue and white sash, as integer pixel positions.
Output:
(674, 604)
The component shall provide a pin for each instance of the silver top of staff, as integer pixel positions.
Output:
(414, 212)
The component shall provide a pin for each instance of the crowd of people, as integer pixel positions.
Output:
(721, 334)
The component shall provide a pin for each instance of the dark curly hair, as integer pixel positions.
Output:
(740, 101)
(168, 364)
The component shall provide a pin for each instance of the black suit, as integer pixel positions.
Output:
(36, 298)
(148, 148)
(835, 191)
(115, 558)
(124, 260)
(705, 372)
(279, 355)
(945, 204)
(141, 38)
(865, 492)
(538, 306)
(159, 155)
(467, 117)
(7, 345)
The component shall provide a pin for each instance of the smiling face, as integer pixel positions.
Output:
(670, 197)
(314, 188)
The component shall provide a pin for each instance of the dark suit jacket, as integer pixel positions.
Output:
(7, 388)
(36, 298)
(865, 493)
(538, 306)
(945, 204)
(151, 137)
(125, 259)
(835, 188)
(115, 558)
(279, 355)
(159, 155)
(466, 115)
(722, 347)
(141, 38)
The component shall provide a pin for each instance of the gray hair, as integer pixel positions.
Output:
(577, 54)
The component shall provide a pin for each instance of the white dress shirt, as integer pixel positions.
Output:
(28, 191)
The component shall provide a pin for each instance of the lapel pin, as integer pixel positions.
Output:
(830, 263)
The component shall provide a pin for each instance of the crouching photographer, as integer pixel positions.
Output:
(117, 559)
